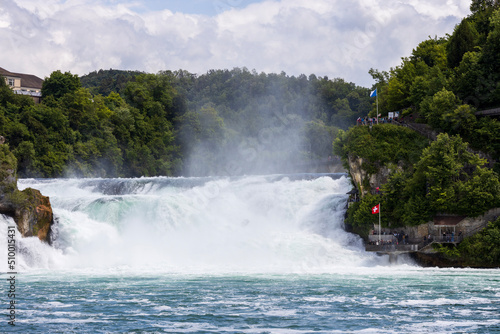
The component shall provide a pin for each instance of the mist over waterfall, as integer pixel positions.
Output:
(277, 223)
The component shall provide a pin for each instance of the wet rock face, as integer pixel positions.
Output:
(33, 215)
(364, 181)
(357, 173)
(31, 210)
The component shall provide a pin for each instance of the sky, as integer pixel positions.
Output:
(334, 38)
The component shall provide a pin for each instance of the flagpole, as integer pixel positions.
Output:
(379, 229)
(377, 107)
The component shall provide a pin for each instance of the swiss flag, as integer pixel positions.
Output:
(376, 209)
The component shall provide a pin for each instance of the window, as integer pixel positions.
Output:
(11, 82)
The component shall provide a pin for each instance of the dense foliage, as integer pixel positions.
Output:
(229, 122)
(480, 250)
(225, 122)
(73, 133)
(386, 145)
(442, 84)
(446, 80)
(104, 82)
(441, 178)
(238, 121)
(382, 145)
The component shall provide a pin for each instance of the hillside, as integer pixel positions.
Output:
(440, 87)
(446, 80)
(114, 123)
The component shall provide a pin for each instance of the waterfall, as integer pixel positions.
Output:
(276, 223)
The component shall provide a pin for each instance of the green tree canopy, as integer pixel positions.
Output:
(434, 109)
(464, 39)
(59, 84)
(452, 177)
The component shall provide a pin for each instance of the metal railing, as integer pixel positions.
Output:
(413, 244)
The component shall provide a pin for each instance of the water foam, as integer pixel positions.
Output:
(249, 224)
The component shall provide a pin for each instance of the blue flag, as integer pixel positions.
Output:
(374, 93)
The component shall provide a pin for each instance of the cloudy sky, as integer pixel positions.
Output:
(336, 38)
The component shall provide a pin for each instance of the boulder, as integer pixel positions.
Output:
(31, 210)
(33, 215)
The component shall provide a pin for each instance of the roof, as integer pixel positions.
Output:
(447, 220)
(31, 81)
(4, 72)
(27, 80)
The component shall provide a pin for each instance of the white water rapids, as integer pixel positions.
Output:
(279, 223)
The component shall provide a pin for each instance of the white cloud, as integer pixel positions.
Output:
(324, 37)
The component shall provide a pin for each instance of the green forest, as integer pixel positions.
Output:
(446, 80)
(113, 123)
(441, 85)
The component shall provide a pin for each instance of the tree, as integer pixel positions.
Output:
(463, 40)
(482, 5)
(461, 120)
(484, 247)
(490, 61)
(360, 216)
(318, 138)
(432, 52)
(382, 77)
(202, 135)
(397, 94)
(469, 82)
(435, 108)
(454, 179)
(343, 115)
(59, 84)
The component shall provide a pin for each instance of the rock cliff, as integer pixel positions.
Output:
(31, 210)
(364, 181)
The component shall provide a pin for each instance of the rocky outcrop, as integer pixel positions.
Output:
(31, 210)
(358, 174)
(33, 215)
(364, 181)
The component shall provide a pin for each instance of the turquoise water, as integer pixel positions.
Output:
(380, 300)
(260, 254)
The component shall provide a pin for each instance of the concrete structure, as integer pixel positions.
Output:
(24, 84)
(455, 229)
(489, 112)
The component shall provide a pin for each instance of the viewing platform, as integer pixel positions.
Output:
(390, 244)
(444, 229)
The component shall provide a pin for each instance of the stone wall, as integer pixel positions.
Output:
(468, 226)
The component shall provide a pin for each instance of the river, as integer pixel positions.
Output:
(255, 254)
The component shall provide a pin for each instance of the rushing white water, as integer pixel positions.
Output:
(249, 224)
(259, 254)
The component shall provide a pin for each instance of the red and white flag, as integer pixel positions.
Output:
(376, 209)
